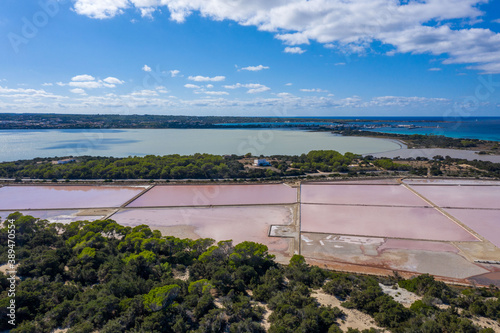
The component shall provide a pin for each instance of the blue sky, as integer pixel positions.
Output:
(261, 57)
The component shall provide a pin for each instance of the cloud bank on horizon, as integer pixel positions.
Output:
(434, 26)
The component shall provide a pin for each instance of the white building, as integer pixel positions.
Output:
(261, 162)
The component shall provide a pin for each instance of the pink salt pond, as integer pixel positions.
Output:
(383, 195)
(461, 196)
(485, 222)
(393, 222)
(65, 197)
(210, 195)
(54, 216)
(404, 244)
(450, 182)
(220, 223)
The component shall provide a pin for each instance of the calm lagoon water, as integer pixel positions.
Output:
(28, 144)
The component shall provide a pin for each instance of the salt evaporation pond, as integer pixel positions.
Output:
(485, 222)
(451, 182)
(381, 181)
(209, 195)
(54, 216)
(409, 255)
(385, 195)
(405, 244)
(469, 196)
(393, 222)
(220, 223)
(57, 196)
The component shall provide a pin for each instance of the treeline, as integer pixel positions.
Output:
(323, 160)
(200, 166)
(106, 277)
(83, 121)
(101, 276)
(207, 166)
(197, 166)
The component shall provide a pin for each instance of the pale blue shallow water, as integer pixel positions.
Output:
(27, 144)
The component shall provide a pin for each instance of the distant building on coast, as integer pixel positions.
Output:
(66, 160)
(261, 162)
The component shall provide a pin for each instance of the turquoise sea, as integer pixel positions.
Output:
(485, 128)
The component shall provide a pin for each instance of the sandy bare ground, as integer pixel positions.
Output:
(6, 267)
(353, 318)
(486, 322)
(400, 295)
(265, 321)
(181, 276)
(94, 212)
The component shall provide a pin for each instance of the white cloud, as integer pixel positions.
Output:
(146, 68)
(24, 94)
(258, 90)
(434, 69)
(39, 100)
(174, 72)
(340, 64)
(496, 21)
(86, 85)
(402, 101)
(294, 38)
(253, 88)
(79, 91)
(209, 86)
(200, 78)
(47, 84)
(89, 82)
(296, 50)
(147, 12)
(146, 7)
(84, 77)
(216, 92)
(254, 68)
(191, 86)
(100, 9)
(288, 84)
(113, 80)
(437, 27)
(144, 93)
(161, 89)
(314, 90)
